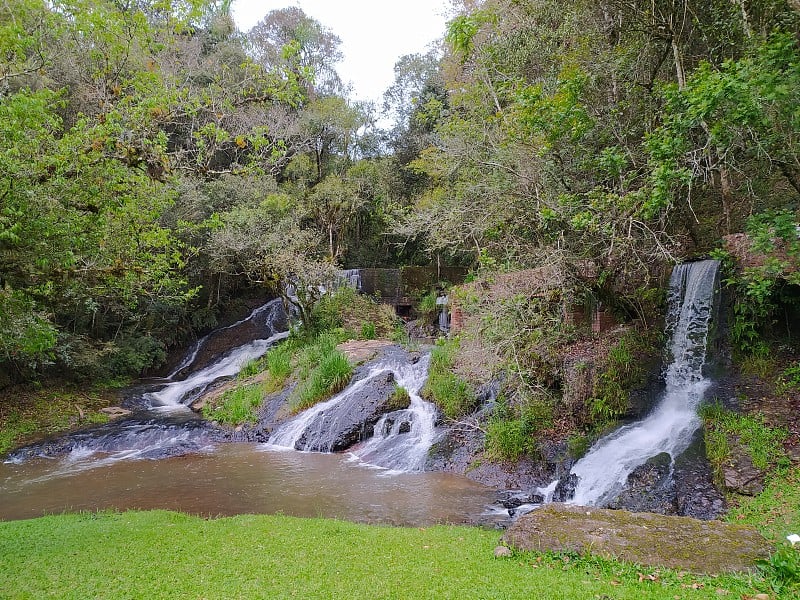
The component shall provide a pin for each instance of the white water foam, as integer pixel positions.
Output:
(177, 394)
(401, 439)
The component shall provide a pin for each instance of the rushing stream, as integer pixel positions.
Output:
(380, 479)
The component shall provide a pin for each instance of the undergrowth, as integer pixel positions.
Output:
(236, 406)
(763, 444)
(322, 370)
(444, 388)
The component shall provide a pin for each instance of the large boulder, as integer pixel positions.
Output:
(353, 419)
(645, 538)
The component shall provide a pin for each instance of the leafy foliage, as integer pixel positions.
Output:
(443, 387)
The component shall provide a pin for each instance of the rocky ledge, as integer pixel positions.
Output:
(709, 547)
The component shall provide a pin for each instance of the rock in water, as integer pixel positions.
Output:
(645, 538)
(649, 488)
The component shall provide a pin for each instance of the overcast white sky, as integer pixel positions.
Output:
(374, 33)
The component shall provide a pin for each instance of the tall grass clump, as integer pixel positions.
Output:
(323, 370)
(444, 388)
(236, 406)
(511, 432)
(279, 362)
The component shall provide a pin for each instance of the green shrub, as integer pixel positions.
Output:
(353, 313)
(578, 445)
(622, 371)
(368, 331)
(782, 568)
(444, 388)
(236, 406)
(508, 439)
(427, 308)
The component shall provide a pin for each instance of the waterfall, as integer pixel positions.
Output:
(401, 438)
(349, 278)
(180, 392)
(602, 473)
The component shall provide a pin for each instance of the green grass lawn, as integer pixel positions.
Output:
(169, 555)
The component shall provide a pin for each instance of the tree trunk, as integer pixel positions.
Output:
(679, 72)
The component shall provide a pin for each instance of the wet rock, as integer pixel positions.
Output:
(649, 488)
(695, 493)
(350, 421)
(742, 477)
(516, 498)
(644, 538)
(565, 489)
(144, 437)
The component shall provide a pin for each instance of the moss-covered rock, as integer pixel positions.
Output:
(645, 538)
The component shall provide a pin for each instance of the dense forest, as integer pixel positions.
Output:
(155, 162)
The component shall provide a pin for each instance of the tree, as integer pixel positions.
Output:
(292, 41)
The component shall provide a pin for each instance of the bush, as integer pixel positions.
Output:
(444, 388)
(427, 308)
(578, 445)
(511, 433)
(508, 439)
(354, 313)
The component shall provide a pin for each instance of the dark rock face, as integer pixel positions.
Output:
(565, 489)
(351, 420)
(644, 538)
(695, 494)
(649, 488)
(741, 476)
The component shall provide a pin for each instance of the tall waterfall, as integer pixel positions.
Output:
(602, 473)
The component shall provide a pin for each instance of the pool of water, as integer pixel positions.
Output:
(229, 479)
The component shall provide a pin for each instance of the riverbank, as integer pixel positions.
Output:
(169, 555)
(29, 413)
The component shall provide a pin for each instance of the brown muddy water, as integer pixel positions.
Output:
(232, 479)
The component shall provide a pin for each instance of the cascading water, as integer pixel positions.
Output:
(401, 438)
(182, 392)
(350, 278)
(171, 429)
(602, 473)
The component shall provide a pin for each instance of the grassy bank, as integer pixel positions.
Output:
(28, 413)
(168, 555)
